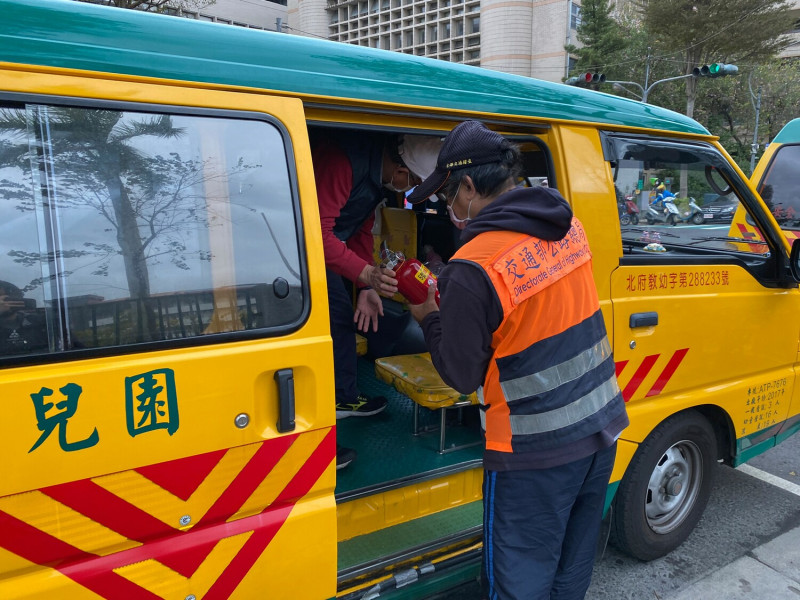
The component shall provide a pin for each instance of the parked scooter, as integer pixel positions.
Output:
(629, 212)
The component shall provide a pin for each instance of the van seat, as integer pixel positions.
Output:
(361, 345)
(415, 376)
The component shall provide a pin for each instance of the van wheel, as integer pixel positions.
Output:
(665, 488)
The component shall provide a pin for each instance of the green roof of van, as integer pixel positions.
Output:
(790, 134)
(69, 34)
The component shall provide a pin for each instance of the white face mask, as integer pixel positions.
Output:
(390, 186)
(459, 223)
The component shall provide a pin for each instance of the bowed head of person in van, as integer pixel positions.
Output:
(352, 172)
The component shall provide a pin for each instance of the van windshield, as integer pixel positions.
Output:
(678, 195)
(780, 187)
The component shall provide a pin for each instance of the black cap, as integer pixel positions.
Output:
(469, 144)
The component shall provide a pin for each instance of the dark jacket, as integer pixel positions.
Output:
(462, 346)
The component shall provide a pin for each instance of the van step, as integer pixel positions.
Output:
(381, 553)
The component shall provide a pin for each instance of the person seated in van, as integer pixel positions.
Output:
(520, 319)
(22, 328)
(351, 172)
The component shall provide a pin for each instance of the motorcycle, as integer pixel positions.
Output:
(662, 210)
(629, 212)
(692, 215)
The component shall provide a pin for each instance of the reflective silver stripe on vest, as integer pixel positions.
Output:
(550, 379)
(482, 412)
(568, 415)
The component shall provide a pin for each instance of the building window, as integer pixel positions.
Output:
(475, 23)
(575, 16)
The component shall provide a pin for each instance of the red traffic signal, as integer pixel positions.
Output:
(586, 78)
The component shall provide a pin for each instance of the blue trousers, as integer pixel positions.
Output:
(541, 527)
(345, 358)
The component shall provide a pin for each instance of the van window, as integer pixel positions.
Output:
(780, 187)
(123, 227)
(684, 196)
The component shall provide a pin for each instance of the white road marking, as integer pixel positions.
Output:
(770, 478)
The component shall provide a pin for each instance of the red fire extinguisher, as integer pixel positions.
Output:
(413, 278)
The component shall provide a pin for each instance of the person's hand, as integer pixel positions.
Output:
(368, 308)
(420, 311)
(379, 279)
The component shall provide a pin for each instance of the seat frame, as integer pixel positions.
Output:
(442, 429)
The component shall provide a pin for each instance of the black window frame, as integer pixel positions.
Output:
(20, 100)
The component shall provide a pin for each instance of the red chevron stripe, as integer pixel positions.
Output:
(639, 376)
(620, 366)
(230, 501)
(39, 547)
(250, 477)
(182, 477)
(96, 573)
(298, 487)
(745, 233)
(109, 510)
(667, 373)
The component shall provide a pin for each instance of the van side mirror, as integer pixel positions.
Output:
(794, 259)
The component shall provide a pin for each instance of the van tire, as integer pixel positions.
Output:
(647, 521)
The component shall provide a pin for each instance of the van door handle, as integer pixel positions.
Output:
(644, 319)
(285, 381)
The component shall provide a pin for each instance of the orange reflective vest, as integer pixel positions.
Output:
(551, 380)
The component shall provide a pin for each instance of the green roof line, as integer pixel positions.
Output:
(64, 33)
(790, 134)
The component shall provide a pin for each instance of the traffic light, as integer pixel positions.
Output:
(715, 70)
(586, 78)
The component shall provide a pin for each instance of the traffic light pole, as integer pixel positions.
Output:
(646, 91)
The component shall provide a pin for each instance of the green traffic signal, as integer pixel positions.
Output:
(715, 70)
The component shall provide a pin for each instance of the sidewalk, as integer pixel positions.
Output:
(769, 572)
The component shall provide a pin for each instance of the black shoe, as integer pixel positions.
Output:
(360, 407)
(344, 456)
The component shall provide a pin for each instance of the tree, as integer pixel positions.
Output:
(731, 31)
(601, 36)
(727, 108)
(154, 5)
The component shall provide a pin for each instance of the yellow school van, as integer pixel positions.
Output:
(166, 365)
(776, 180)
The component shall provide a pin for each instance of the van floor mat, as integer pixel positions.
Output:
(387, 450)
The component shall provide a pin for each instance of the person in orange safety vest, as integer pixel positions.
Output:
(520, 322)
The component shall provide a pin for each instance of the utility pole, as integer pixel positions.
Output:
(757, 107)
(569, 37)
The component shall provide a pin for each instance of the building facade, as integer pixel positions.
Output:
(255, 14)
(524, 37)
